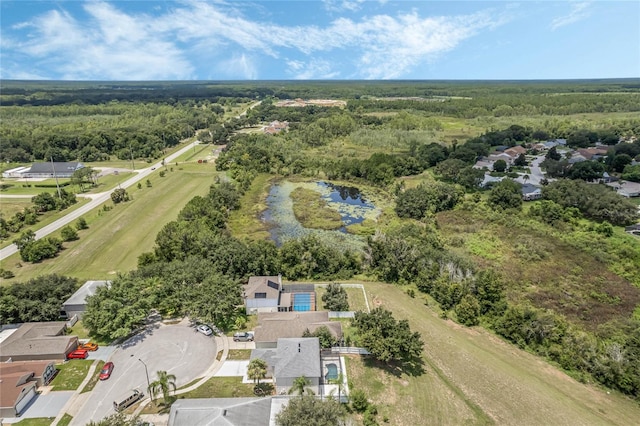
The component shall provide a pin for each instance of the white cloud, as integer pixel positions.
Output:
(110, 45)
(315, 69)
(239, 67)
(113, 44)
(579, 11)
(343, 5)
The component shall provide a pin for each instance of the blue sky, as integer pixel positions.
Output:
(307, 39)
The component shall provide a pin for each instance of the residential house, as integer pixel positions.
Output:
(490, 180)
(19, 382)
(274, 326)
(633, 229)
(48, 170)
(593, 153)
(293, 358)
(36, 341)
(77, 303)
(224, 411)
(483, 163)
(515, 151)
(531, 192)
(265, 294)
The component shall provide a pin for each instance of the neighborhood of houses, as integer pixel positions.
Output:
(285, 312)
(532, 182)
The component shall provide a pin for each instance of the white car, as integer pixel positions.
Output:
(204, 329)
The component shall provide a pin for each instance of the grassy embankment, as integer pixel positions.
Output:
(245, 222)
(472, 377)
(117, 237)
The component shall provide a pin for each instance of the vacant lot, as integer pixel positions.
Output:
(117, 237)
(472, 377)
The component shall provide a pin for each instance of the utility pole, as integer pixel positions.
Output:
(131, 153)
(56, 177)
(147, 373)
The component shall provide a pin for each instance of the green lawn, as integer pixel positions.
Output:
(117, 237)
(38, 421)
(79, 330)
(472, 377)
(221, 387)
(65, 420)
(355, 296)
(94, 380)
(71, 374)
(239, 354)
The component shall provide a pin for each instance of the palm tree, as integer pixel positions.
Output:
(257, 370)
(339, 381)
(164, 384)
(525, 178)
(300, 386)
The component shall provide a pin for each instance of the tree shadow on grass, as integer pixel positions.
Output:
(413, 367)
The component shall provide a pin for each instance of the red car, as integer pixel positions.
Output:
(106, 371)
(78, 354)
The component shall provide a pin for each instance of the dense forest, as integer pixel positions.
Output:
(557, 276)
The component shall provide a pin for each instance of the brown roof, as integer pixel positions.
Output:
(515, 151)
(38, 339)
(16, 379)
(269, 285)
(276, 325)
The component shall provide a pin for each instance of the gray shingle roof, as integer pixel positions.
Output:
(298, 357)
(221, 412)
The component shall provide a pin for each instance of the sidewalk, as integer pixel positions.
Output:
(77, 400)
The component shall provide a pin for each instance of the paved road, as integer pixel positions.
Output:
(97, 200)
(177, 349)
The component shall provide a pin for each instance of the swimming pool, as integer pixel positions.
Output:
(302, 302)
(332, 372)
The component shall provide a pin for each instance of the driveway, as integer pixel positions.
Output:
(177, 349)
(42, 405)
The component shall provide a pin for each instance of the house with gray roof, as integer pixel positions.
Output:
(291, 359)
(48, 170)
(277, 325)
(221, 412)
(77, 303)
(531, 192)
(37, 341)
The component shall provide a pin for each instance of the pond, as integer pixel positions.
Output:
(348, 201)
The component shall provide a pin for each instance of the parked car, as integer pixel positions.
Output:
(78, 354)
(205, 329)
(106, 371)
(243, 337)
(89, 346)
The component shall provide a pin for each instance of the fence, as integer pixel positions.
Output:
(351, 350)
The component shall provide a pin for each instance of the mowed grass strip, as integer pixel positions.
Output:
(494, 380)
(117, 237)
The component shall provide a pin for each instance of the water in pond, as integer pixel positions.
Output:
(348, 201)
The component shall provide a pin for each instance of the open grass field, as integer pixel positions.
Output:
(117, 237)
(473, 377)
(43, 220)
(552, 269)
(10, 206)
